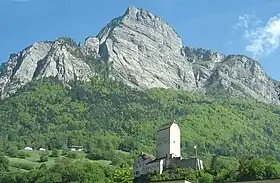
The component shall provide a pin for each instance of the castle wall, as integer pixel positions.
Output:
(191, 163)
(139, 166)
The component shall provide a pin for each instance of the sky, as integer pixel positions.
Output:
(247, 27)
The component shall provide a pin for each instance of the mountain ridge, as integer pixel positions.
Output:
(143, 51)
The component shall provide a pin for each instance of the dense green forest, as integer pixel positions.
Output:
(110, 115)
(105, 116)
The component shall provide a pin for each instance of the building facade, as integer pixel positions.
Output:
(168, 152)
(168, 140)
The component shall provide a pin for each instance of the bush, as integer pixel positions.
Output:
(93, 156)
(23, 154)
(4, 163)
(72, 155)
(12, 152)
(108, 155)
(63, 161)
(65, 152)
(117, 161)
(43, 158)
(55, 153)
(44, 153)
(26, 166)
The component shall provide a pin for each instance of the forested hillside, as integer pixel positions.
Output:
(109, 115)
(104, 116)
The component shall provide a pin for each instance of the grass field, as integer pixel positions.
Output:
(19, 164)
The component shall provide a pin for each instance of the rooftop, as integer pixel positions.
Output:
(167, 125)
(146, 156)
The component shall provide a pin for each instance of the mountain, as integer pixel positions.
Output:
(143, 51)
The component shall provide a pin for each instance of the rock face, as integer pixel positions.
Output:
(243, 76)
(237, 74)
(91, 46)
(62, 59)
(144, 52)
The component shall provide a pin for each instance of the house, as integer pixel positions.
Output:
(168, 153)
(76, 148)
(28, 148)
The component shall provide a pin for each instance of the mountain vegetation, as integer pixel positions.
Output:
(108, 117)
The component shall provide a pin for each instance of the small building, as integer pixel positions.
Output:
(76, 148)
(42, 149)
(28, 148)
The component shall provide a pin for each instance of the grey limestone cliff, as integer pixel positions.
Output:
(144, 52)
(239, 75)
(61, 59)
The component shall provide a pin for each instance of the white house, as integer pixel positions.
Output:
(28, 148)
(168, 152)
(76, 148)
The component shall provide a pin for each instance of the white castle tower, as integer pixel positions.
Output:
(168, 153)
(168, 141)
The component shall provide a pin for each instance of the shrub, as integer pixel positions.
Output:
(12, 151)
(43, 158)
(72, 155)
(55, 153)
(65, 152)
(23, 154)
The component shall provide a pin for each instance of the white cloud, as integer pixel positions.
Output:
(261, 40)
(246, 21)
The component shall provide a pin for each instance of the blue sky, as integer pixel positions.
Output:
(250, 27)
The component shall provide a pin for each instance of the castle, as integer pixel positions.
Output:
(168, 152)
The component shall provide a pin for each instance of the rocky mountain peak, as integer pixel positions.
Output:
(144, 52)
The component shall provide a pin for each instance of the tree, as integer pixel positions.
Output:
(252, 169)
(12, 151)
(123, 176)
(23, 154)
(55, 153)
(206, 178)
(43, 158)
(117, 161)
(4, 163)
(72, 155)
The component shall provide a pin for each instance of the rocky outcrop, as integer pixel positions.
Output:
(243, 76)
(239, 75)
(204, 62)
(144, 52)
(91, 46)
(65, 61)
(21, 67)
(61, 59)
